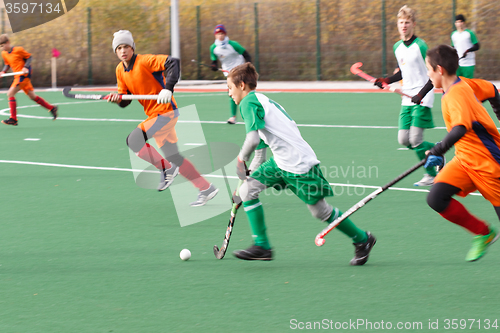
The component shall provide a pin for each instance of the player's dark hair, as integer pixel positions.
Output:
(245, 73)
(444, 56)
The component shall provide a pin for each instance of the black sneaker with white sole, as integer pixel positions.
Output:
(10, 121)
(167, 177)
(254, 252)
(362, 250)
(53, 112)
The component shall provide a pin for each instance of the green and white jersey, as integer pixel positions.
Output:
(411, 61)
(275, 127)
(228, 52)
(462, 41)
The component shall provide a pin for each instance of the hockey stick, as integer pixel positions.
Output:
(66, 92)
(356, 71)
(320, 237)
(200, 63)
(14, 73)
(219, 254)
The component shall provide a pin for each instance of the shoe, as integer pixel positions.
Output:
(480, 243)
(427, 180)
(54, 112)
(205, 195)
(362, 250)
(167, 177)
(254, 252)
(10, 121)
(232, 120)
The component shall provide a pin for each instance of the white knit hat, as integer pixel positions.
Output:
(123, 37)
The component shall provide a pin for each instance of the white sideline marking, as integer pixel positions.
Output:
(31, 139)
(194, 144)
(403, 148)
(208, 176)
(6, 112)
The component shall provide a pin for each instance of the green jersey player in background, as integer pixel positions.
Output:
(230, 54)
(410, 53)
(466, 43)
(294, 166)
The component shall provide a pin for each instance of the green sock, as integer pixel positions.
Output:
(233, 107)
(255, 214)
(347, 227)
(420, 151)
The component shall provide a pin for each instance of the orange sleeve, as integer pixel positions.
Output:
(122, 87)
(457, 110)
(482, 89)
(5, 59)
(22, 52)
(156, 63)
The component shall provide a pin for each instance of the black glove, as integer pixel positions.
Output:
(214, 66)
(380, 82)
(417, 99)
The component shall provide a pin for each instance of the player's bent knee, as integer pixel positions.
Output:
(251, 189)
(440, 196)
(135, 140)
(321, 210)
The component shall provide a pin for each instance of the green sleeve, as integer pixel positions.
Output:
(261, 145)
(213, 57)
(473, 37)
(240, 49)
(396, 46)
(423, 47)
(252, 113)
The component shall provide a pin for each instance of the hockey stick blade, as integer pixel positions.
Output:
(320, 240)
(355, 69)
(66, 93)
(220, 253)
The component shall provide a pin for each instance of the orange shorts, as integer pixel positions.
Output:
(25, 84)
(468, 180)
(161, 127)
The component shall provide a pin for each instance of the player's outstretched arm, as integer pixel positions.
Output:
(388, 80)
(247, 56)
(172, 72)
(421, 94)
(455, 134)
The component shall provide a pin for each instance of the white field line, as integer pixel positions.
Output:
(6, 112)
(56, 165)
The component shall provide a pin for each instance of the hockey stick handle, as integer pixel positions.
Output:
(66, 92)
(356, 71)
(219, 253)
(319, 240)
(203, 64)
(14, 73)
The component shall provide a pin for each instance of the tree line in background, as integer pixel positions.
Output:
(290, 40)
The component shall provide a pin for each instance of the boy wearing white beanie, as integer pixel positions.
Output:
(150, 74)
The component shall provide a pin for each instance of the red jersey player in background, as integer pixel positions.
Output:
(140, 74)
(19, 60)
(476, 164)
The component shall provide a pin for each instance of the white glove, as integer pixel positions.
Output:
(164, 97)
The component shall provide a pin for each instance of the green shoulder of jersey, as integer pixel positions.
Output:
(252, 112)
(240, 49)
(213, 57)
(473, 37)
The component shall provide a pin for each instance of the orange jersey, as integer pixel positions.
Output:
(479, 148)
(144, 76)
(16, 59)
